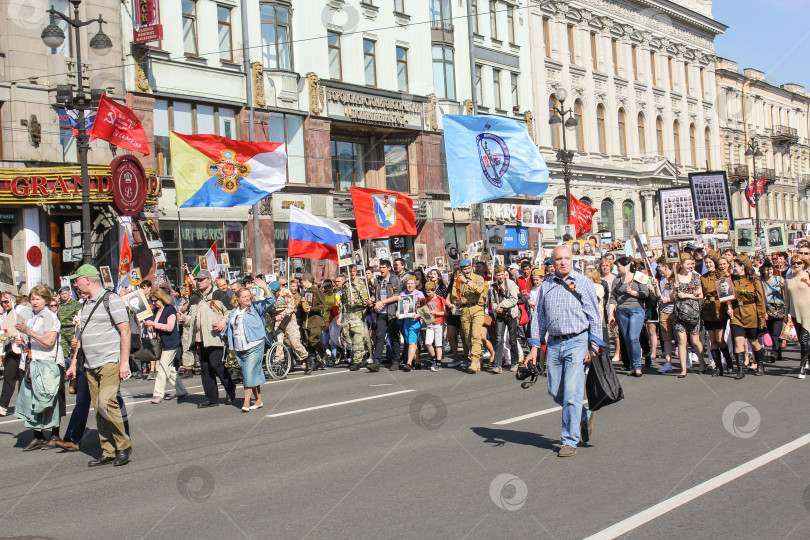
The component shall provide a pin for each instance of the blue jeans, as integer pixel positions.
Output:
(630, 322)
(565, 370)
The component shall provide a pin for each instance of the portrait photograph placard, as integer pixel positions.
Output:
(106, 277)
(744, 238)
(150, 233)
(344, 253)
(420, 257)
(725, 289)
(136, 302)
(406, 306)
(672, 252)
(775, 237)
(677, 213)
(541, 217)
(710, 196)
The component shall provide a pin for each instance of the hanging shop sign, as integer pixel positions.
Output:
(55, 185)
(374, 109)
(129, 184)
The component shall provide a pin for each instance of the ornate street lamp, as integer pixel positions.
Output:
(564, 156)
(752, 150)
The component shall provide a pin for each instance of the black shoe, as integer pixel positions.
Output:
(229, 400)
(648, 362)
(205, 404)
(103, 460)
(394, 367)
(187, 374)
(417, 365)
(406, 367)
(373, 368)
(355, 366)
(122, 457)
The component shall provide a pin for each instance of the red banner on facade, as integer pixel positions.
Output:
(119, 125)
(145, 12)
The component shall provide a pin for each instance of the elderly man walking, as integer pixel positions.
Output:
(567, 310)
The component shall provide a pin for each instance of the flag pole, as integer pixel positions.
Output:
(455, 229)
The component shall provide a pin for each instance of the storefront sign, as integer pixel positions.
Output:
(145, 34)
(146, 18)
(516, 238)
(8, 217)
(371, 109)
(129, 184)
(53, 185)
(506, 212)
(283, 201)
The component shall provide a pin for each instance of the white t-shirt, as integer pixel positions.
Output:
(43, 322)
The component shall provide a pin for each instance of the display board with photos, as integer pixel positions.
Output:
(710, 196)
(677, 213)
(541, 217)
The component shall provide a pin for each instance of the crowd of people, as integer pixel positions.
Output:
(720, 313)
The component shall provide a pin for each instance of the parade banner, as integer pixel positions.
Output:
(710, 195)
(677, 213)
(540, 217)
(580, 215)
(379, 213)
(119, 125)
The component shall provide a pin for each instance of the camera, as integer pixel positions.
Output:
(531, 372)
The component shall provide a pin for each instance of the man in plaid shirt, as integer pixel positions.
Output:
(567, 311)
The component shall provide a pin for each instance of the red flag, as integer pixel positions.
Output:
(580, 215)
(760, 183)
(118, 124)
(379, 213)
(749, 195)
(125, 260)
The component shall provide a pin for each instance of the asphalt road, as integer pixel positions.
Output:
(422, 454)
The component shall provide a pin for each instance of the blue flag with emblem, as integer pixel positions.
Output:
(489, 157)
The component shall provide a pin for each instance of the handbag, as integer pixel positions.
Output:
(230, 360)
(151, 348)
(686, 312)
(789, 331)
(776, 311)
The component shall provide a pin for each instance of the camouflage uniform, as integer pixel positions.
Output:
(287, 327)
(353, 303)
(66, 313)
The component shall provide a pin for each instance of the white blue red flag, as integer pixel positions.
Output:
(314, 237)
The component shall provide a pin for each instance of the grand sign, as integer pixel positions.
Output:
(55, 185)
(371, 109)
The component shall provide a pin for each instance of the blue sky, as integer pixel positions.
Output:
(772, 36)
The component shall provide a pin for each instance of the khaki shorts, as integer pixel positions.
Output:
(665, 323)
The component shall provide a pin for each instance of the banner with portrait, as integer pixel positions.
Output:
(540, 217)
(677, 213)
(710, 196)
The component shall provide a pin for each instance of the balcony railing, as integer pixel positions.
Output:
(738, 170)
(769, 174)
(442, 24)
(784, 134)
(804, 180)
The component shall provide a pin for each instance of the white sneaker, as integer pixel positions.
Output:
(666, 369)
(514, 368)
(3, 411)
(801, 376)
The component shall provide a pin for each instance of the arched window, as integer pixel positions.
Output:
(555, 128)
(600, 129)
(692, 144)
(622, 133)
(607, 217)
(562, 214)
(659, 135)
(642, 138)
(676, 141)
(629, 218)
(708, 144)
(579, 128)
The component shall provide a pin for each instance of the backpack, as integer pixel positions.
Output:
(134, 327)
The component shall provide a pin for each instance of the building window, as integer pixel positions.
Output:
(348, 165)
(289, 129)
(479, 86)
(276, 37)
(547, 36)
(628, 218)
(66, 48)
(693, 144)
(607, 217)
(399, 6)
(493, 19)
(514, 90)
(702, 88)
(622, 133)
(659, 135)
(224, 33)
(600, 129)
(653, 74)
(562, 215)
(440, 13)
(474, 14)
(555, 128)
(369, 62)
(571, 51)
(335, 64)
(635, 62)
(707, 143)
(594, 53)
(496, 88)
(676, 140)
(510, 24)
(671, 77)
(396, 168)
(443, 73)
(187, 241)
(642, 137)
(686, 78)
(579, 129)
(614, 49)
(190, 27)
(402, 69)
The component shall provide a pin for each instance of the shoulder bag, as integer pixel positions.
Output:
(775, 310)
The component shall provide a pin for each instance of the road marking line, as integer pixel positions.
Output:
(526, 416)
(326, 406)
(291, 377)
(665, 506)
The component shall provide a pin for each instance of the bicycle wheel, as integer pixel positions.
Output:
(278, 361)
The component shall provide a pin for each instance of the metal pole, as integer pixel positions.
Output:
(756, 209)
(481, 222)
(82, 144)
(566, 176)
(251, 135)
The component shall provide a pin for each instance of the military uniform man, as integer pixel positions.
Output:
(311, 308)
(469, 293)
(353, 302)
(66, 313)
(285, 324)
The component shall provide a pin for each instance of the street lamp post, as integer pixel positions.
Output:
(53, 37)
(564, 156)
(752, 150)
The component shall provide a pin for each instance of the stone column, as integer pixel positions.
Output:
(649, 222)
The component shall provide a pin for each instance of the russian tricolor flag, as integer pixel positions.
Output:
(313, 237)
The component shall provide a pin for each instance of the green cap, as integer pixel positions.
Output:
(85, 270)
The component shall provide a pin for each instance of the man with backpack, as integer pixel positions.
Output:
(105, 339)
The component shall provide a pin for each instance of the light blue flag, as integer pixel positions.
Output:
(489, 157)
(628, 249)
